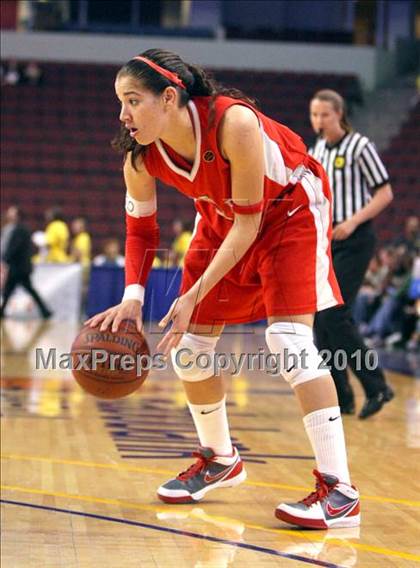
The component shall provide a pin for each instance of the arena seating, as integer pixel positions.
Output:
(285, 96)
(56, 140)
(401, 159)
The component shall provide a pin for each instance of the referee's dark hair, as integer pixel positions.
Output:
(338, 104)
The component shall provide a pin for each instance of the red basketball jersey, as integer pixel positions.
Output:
(208, 179)
(288, 269)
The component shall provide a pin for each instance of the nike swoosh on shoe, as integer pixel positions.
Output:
(211, 478)
(334, 511)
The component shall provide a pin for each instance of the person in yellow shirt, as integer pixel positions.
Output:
(181, 242)
(157, 263)
(81, 243)
(56, 236)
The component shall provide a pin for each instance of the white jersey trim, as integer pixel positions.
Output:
(319, 206)
(274, 166)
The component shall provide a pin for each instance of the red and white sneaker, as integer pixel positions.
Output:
(207, 473)
(332, 505)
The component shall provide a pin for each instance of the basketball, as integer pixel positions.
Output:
(110, 365)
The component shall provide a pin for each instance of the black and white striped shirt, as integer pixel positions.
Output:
(354, 170)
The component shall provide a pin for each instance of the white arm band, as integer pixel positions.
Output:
(138, 209)
(134, 292)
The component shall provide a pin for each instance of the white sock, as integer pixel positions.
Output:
(325, 431)
(212, 426)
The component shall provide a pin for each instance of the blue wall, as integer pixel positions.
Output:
(327, 15)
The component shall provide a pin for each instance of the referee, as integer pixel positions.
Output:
(355, 172)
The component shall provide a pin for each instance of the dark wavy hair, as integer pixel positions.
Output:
(198, 83)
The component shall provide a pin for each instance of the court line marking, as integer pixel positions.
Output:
(138, 469)
(180, 532)
(295, 533)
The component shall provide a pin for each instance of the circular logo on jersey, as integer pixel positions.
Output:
(339, 162)
(209, 156)
(129, 206)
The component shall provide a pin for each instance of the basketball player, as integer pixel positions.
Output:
(354, 170)
(260, 249)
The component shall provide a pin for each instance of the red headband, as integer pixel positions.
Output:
(173, 77)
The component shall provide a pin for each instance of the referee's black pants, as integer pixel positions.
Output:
(15, 278)
(335, 328)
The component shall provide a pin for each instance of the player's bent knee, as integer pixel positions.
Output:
(193, 357)
(299, 358)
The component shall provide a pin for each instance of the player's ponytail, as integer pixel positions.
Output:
(203, 84)
(158, 69)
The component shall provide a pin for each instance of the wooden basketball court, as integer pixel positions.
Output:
(79, 475)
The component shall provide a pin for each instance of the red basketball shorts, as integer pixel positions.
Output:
(288, 269)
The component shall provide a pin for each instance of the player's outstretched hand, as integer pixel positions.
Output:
(130, 309)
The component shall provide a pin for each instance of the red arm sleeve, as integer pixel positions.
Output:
(142, 240)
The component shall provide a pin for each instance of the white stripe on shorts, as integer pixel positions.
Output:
(319, 206)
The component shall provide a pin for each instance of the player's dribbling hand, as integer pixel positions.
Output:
(130, 309)
(180, 314)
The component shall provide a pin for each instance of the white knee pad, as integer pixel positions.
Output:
(193, 358)
(293, 343)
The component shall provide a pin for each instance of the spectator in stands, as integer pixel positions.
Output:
(388, 320)
(39, 240)
(12, 75)
(413, 336)
(56, 236)
(80, 248)
(410, 240)
(32, 73)
(80, 251)
(368, 298)
(181, 242)
(16, 255)
(354, 170)
(166, 259)
(111, 255)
